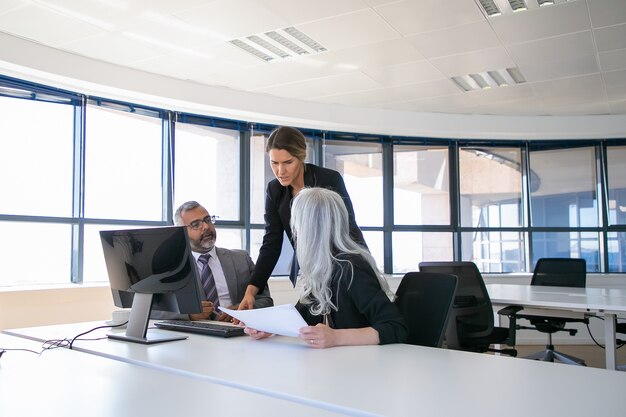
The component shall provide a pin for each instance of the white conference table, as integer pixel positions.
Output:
(604, 302)
(68, 383)
(392, 380)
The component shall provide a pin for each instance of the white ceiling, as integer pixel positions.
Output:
(397, 55)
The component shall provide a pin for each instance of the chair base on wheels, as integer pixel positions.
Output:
(551, 355)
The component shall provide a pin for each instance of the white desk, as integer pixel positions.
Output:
(598, 301)
(67, 383)
(393, 380)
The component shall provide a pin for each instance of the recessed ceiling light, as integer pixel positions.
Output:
(493, 8)
(489, 79)
(279, 44)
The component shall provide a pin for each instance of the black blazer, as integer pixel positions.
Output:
(360, 302)
(278, 214)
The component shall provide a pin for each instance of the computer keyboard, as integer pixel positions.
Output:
(201, 327)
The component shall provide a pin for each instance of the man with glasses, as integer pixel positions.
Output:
(230, 269)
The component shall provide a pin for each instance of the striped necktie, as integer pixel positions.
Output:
(208, 282)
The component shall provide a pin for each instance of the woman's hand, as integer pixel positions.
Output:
(255, 334)
(320, 336)
(247, 302)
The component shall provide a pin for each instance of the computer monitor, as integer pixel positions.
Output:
(151, 268)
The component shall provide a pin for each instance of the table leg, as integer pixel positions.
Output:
(609, 340)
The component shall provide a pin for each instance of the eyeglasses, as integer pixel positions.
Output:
(197, 224)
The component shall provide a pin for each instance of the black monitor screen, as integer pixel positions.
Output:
(154, 269)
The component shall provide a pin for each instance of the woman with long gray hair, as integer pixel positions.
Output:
(344, 298)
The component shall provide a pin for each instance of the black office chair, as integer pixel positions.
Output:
(556, 272)
(471, 326)
(425, 300)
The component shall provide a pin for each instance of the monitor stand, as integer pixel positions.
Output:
(137, 328)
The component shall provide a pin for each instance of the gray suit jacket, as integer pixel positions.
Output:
(238, 267)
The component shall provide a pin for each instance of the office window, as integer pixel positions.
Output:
(421, 185)
(206, 169)
(283, 266)
(36, 158)
(123, 154)
(563, 188)
(35, 253)
(490, 182)
(375, 244)
(574, 244)
(360, 165)
(616, 167)
(494, 250)
(411, 248)
(617, 251)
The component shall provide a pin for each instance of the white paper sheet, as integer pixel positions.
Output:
(284, 319)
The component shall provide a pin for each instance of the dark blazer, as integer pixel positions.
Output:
(278, 214)
(360, 302)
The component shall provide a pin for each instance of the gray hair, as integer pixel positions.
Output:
(178, 215)
(319, 223)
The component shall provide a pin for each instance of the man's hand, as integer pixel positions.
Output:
(207, 310)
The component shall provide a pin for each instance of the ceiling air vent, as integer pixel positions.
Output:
(278, 44)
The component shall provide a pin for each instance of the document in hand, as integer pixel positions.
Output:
(284, 319)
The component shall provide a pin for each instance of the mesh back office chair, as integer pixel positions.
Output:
(424, 300)
(556, 272)
(471, 327)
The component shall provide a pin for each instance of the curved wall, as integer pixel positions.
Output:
(27, 60)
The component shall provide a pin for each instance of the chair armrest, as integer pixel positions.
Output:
(510, 310)
(511, 313)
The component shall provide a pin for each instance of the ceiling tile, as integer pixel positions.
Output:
(111, 48)
(27, 21)
(618, 107)
(226, 17)
(349, 30)
(416, 16)
(559, 57)
(542, 22)
(434, 88)
(615, 82)
(279, 73)
(607, 12)
(571, 90)
(455, 40)
(474, 62)
(7, 5)
(410, 73)
(610, 38)
(390, 52)
(298, 12)
(613, 60)
(354, 81)
(364, 98)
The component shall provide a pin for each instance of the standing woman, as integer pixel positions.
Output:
(286, 147)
